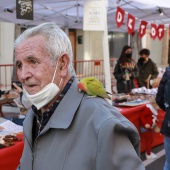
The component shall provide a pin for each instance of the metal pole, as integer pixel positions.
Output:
(106, 58)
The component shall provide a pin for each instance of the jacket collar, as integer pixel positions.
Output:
(64, 113)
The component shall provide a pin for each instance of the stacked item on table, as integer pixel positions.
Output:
(120, 97)
(144, 90)
(134, 102)
(132, 99)
(11, 127)
(137, 97)
(7, 139)
(8, 133)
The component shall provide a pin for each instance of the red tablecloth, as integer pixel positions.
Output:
(10, 156)
(133, 113)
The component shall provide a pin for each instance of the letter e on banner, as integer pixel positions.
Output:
(142, 28)
(120, 13)
(160, 31)
(130, 23)
(153, 32)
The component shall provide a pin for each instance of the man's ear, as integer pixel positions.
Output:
(64, 62)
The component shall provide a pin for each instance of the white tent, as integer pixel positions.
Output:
(69, 13)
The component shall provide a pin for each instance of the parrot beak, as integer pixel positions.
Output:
(81, 87)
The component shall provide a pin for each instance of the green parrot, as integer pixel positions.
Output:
(93, 87)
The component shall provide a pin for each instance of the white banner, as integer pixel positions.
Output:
(94, 15)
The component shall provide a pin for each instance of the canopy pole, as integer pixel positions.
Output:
(128, 39)
(106, 59)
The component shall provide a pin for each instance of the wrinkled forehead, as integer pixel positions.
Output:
(30, 46)
(31, 41)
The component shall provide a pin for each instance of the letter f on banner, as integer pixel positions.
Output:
(130, 24)
(119, 16)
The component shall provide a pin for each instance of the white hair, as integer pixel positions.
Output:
(57, 42)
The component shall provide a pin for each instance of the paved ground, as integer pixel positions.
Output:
(156, 164)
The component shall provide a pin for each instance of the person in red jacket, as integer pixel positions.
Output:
(148, 120)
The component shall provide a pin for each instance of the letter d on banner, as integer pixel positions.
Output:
(24, 9)
(119, 16)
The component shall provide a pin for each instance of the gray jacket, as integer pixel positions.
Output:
(82, 134)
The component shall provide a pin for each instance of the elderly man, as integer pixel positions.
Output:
(65, 129)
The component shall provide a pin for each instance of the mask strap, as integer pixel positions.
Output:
(61, 81)
(55, 71)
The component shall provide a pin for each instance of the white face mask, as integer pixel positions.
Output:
(45, 95)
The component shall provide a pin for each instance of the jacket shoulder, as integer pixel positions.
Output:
(102, 112)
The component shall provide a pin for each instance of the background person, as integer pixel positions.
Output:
(22, 101)
(125, 71)
(147, 69)
(23, 104)
(163, 100)
(65, 129)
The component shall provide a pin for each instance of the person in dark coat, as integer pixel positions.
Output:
(125, 71)
(163, 100)
(147, 69)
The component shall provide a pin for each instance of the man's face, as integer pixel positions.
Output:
(144, 57)
(34, 66)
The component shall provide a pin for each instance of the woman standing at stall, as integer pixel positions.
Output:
(125, 71)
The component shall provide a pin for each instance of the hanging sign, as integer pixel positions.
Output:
(153, 32)
(160, 31)
(130, 23)
(119, 16)
(24, 9)
(94, 15)
(142, 28)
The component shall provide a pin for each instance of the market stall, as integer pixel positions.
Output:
(133, 113)
(10, 156)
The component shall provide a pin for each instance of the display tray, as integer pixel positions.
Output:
(134, 103)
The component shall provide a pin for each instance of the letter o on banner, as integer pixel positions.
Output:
(153, 32)
(160, 31)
